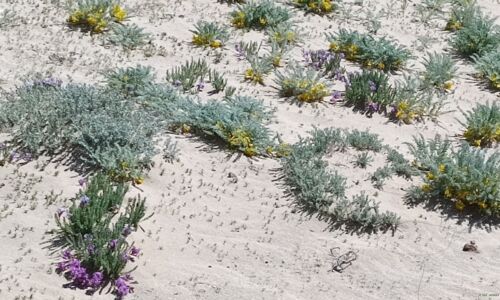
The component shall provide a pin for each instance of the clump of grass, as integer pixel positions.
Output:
(284, 34)
(259, 15)
(209, 34)
(440, 69)
(369, 92)
(130, 37)
(488, 66)
(96, 249)
(96, 15)
(363, 160)
(319, 190)
(320, 7)
(381, 53)
(303, 85)
(261, 64)
(462, 15)
(465, 179)
(193, 75)
(479, 37)
(482, 125)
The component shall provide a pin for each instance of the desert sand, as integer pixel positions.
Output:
(213, 237)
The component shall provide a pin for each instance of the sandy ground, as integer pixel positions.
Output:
(211, 237)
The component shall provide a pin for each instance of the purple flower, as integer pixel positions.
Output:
(122, 287)
(336, 96)
(134, 251)
(96, 279)
(373, 107)
(84, 200)
(67, 254)
(125, 257)
(62, 212)
(112, 244)
(91, 249)
(127, 230)
(82, 181)
(372, 85)
(177, 83)
(200, 86)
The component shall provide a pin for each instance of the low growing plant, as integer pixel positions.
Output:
(381, 53)
(466, 179)
(488, 66)
(130, 37)
(440, 69)
(479, 37)
(320, 7)
(259, 15)
(482, 125)
(303, 85)
(96, 15)
(209, 34)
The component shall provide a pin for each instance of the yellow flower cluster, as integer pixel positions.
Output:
(242, 139)
(201, 40)
(320, 7)
(482, 137)
(282, 150)
(315, 93)
(239, 20)
(97, 19)
(253, 76)
(404, 112)
(494, 81)
(453, 25)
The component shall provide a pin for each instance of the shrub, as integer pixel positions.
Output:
(96, 249)
(462, 16)
(488, 66)
(96, 15)
(192, 76)
(209, 34)
(100, 127)
(363, 160)
(483, 125)
(317, 189)
(320, 7)
(382, 54)
(440, 69)
(238, 121)
(478, 37)
(259, 15)
(301, 85)
(284, 34)
(130, 37)
(130, 81)
(466, 178)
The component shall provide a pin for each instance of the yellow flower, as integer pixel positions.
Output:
(101, 26)
(118, 13)
(426, 188)
(198, 40)
(215, 44)
(139, 180)
(459, 205)
(269, 150)
(239, 20)
(251, 75)
(334, 47)
(277, 61)
(430, 176)
(477, 142)
(482, 204)
(448, 193)
(76, 17)
(449, 86)
(381, 66)
(441, 168)
(352, 51)
(326, 6)
(185, 129)
(262, 21)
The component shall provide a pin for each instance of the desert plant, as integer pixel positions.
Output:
(130, 37)
(488, 66)
(96, 15)
(318, 189)
(480, 36)
(284, 34)
(462, 15)
(363, 160)
(303, 85)
(259, 15)
(381, 53)
(130, 81)
(96, 250)
(320, 7)
(466, 178)
(209, 34)
(482, 125)
(440, 69)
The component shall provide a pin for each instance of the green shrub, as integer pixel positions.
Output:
(479, 37)
(381, 53)
(488, 66)
(483, 125)
(440, 69)
(303, 85)
(209, 34)
(466, 179)
(193, 75)
(259, 15)
(94, 233)
(130, 37)
(318, 190)
(96, 15)
(369, 92)
(130, 81)
(462, 16)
